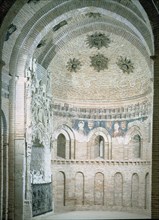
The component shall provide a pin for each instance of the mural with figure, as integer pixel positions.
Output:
(115, 128)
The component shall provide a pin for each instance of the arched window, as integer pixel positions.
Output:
(136, 146)
(61, 146)
(99, 147)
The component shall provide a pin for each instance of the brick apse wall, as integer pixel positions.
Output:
(155, 149)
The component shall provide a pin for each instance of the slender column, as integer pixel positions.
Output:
(5, 181)
(19, 145)
(1, 149)
(11, 150)
(1, 176)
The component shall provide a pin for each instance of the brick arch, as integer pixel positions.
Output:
(131, 133)
(67, 129)
(107, 142)
(46, 58)
(134, 130)
(153, 16)
(70, 140)
(60, 9)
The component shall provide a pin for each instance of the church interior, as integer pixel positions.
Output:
(79, 107)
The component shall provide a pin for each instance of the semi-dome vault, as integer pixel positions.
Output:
(54, 32)
(86, 67)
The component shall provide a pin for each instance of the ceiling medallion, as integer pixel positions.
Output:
(73, 65)
(98, 40)
(125, 65)
(99, 62)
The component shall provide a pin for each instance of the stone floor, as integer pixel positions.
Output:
(77, 215)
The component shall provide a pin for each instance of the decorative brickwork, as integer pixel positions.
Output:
(73, 65)
(125, 65)
(138, 110)
(98, 40)
(99, 62)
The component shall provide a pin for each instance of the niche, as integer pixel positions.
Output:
(135, 190)
(79, 188)
(147, 191)
(99, 189)
(61, 188)
(118, 189)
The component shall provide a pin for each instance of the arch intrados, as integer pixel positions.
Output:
(134, 130)
(99, 131)
(64, 133)
(66, 130)
(13, 64)
(88, 28)
(79, 172)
